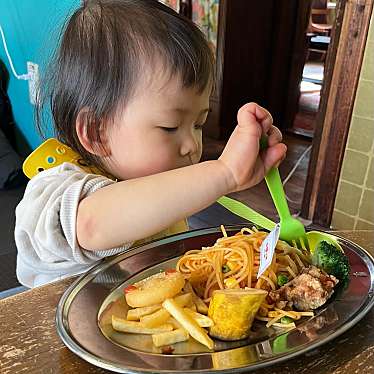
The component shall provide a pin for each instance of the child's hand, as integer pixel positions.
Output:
(247, 166)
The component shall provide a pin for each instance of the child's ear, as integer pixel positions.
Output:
(81, 127)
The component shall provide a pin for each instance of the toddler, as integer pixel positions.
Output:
(130, 94)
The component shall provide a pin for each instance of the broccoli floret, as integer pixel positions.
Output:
(286, 320)
(332, 260)
(282, 279)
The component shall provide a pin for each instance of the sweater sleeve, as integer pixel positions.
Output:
(45, 231)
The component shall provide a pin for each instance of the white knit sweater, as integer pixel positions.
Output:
(45, 231)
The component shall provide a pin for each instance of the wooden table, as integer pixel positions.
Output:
(29, 342)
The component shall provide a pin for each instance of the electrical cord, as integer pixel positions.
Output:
(290, 174)
(22, 76)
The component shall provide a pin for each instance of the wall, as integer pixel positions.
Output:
(31, 29)
(354, 205)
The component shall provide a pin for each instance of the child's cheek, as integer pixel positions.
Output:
(153, 163)
(163, 160)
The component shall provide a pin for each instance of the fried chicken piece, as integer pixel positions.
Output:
(308, 291)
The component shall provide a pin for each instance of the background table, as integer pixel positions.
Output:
(29, 342)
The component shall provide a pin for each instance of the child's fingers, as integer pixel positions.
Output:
(247, 120)
(265, 118)
(274, 136)
(252, 113)
(273, 156)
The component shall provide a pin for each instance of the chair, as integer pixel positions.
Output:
(319, 30)
(319, 18)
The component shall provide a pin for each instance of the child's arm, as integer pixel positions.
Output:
(137, 208)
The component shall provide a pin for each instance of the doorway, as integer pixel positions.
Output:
(341, 75)
(318, 39)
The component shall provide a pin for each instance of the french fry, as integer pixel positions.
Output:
(123, 325)
(155, 319)
(192, 306)
(188, 323)
(200, 305)
(183, 300)
(172, 321)
(135, 314)
(161, 316)
(201, 319)
(170, 337)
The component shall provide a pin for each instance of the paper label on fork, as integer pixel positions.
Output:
(267, 250)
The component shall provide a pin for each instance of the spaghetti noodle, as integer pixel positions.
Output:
(233, 262)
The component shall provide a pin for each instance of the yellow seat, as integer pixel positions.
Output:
(52, 153)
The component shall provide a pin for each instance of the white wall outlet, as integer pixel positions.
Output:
(34, 82)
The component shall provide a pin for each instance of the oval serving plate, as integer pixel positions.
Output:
(84, 313)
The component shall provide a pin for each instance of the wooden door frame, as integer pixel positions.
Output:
(342, 72)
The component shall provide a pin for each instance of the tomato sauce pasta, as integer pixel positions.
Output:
(233, 262)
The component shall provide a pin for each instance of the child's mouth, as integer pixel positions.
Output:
(191, 162)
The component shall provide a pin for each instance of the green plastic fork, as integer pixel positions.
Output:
(291, 229)
(244, 211)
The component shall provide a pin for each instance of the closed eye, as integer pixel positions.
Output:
(168, 129)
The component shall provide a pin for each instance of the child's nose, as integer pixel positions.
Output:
(190, 145)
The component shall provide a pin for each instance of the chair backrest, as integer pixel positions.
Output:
(319, 11)
(319, 4)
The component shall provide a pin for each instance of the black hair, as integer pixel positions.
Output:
(104, 49)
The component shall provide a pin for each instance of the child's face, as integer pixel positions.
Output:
(159, 130)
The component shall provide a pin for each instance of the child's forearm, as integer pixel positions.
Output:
(135, 209)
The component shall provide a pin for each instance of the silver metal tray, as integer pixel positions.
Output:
(82, 316)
